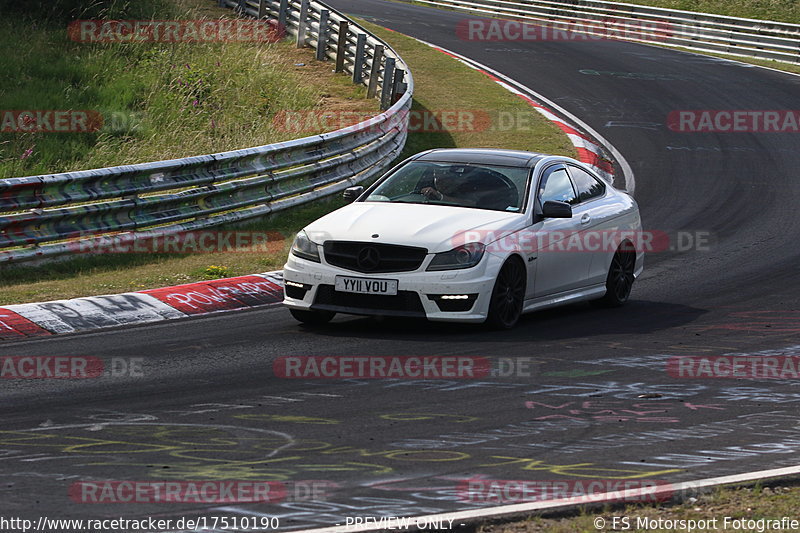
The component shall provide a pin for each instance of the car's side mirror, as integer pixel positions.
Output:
(351, 193)
(552, 209)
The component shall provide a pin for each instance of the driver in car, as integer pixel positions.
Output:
(451, 187)
(467, 186)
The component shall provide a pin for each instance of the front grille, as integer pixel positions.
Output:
(405, 303)
(374, 258)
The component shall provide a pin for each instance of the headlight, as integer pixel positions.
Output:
(303, 247)
(465, 256)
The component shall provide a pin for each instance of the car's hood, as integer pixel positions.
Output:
(435, 227)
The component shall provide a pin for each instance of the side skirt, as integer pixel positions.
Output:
(575, 295)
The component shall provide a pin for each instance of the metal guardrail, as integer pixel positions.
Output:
(51, 215)
(701, 32)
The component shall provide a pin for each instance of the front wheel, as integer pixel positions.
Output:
(508, 296)
(620, 277)
(312, 317)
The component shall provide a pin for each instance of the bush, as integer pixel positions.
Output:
(216, 272)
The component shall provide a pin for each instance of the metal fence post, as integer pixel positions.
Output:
(322, 34)
(386, 87)
(262, 9)
(222, 3)
(397, 82)
(377, 56)
(358, 58)
(241, 6)
(341, 46)
(302, 24)
(283, 12)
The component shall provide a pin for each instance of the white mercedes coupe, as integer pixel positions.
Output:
(468, 235)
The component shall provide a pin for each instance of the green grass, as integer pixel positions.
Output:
(60, 12)
(442, 84)
(780, 10)
(745, 502)
(503, 120)
(159, 101)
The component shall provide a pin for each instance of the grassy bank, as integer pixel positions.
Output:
(442, 85)
(157, 100)
(771, 503)
(780, 10)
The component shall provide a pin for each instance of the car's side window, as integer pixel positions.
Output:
(556, 186)
(586, 185)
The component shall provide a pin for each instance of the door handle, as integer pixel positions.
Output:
(586, 218)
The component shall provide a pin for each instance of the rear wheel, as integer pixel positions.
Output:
(312, 317)
(620, 276)
(508, 295)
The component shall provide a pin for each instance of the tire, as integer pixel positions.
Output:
(313, 318)
(508, 295)
(620, 277)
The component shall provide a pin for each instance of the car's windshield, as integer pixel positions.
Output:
(498, 188)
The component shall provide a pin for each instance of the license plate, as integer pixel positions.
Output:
(366, 285)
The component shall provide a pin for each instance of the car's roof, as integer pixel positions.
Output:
(486, 156)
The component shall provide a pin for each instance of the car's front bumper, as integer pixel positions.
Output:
(415, 290)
